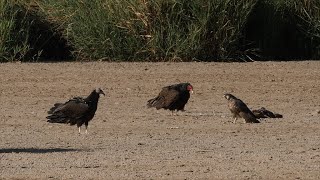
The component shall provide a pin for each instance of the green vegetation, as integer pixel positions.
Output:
(160, 30)
(285, 29)
(13, 34)
(308, 15)
(152, 30)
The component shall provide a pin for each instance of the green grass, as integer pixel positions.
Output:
(13, 31)
(308, 15)
(160, 30)
(284, 29)
(154, 30)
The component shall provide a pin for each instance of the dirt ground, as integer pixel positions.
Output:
(126, 140)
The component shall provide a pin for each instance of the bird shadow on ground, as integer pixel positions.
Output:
(37, 150)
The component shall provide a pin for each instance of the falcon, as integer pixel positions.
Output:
(240, 110)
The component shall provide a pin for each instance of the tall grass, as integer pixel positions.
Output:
(200, 29)
(159, 30)
(152, 29)
(285, 29)
(13, 35)
(305, 17)
(308, 14)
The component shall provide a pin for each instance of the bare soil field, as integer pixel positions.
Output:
(127, 140)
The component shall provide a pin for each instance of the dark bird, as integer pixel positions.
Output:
(173, 97)
(264, 113)
(77, 110)
(240, 109)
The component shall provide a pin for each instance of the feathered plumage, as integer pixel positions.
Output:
(173, 97)
(240, 109)
(264, 113)
(77, 110)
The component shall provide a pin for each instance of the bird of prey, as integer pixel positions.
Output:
(264, 113)
(239, 109)
(77, 110)
(173, 97)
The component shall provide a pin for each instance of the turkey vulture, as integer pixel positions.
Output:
(264, 113)
(240, 109)
(77, 110)
(173, 97)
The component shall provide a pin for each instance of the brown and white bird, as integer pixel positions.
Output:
(77, 110)
(240, 110)
(173, 97)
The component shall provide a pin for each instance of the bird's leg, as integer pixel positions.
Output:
(79, 129)
(178, 113)
(86, 125)
(175, 113)
(235, 119)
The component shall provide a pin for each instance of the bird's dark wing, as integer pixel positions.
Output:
(245, 112)
(264, 113)
(267, 113)
(55, 106)
(73, 109)
(68, 112)
(277, 115)
(258, 113)
(165, 98)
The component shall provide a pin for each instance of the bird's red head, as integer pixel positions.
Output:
(190, 88)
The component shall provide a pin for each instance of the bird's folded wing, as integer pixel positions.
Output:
(166, 97)
(245, 112)
(241, 106)
(169, 96)
(249, 117)
(73, 109)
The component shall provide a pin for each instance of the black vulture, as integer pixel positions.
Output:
(173, 97)
(240, 109)
(77, 110)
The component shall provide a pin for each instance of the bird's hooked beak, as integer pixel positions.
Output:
(103, 93)
(225, 96)
(99, 91)
(190, 89)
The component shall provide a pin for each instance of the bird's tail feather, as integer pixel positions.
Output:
(56, 118)
(152, 102)
(55, 106)
(155, 102)
(278, 115)
(249, 117)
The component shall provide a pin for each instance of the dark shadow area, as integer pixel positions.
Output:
(37, 150)
(276, 35)
(45, 40)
